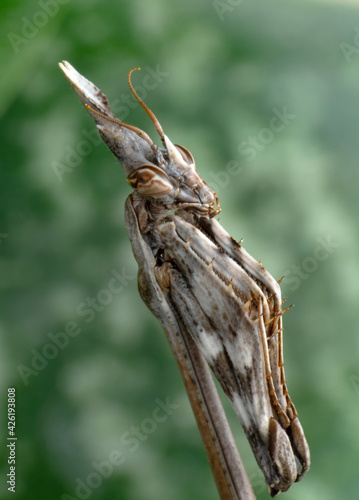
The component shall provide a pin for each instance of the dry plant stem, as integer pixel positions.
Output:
(227, 468)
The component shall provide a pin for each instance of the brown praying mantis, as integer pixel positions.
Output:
(217, 305)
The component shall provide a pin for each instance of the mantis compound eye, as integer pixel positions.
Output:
(150, 180)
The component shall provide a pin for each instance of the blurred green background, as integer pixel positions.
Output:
(224, 70)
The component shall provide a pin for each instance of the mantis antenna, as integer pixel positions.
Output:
(137, 130)
(145, 107)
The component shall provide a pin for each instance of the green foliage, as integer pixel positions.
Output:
(224, 71)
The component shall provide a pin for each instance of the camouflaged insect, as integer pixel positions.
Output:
(203, 286)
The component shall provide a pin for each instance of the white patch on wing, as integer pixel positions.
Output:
(261, 414)
(210, 345)
(244, 354)
(241, 354)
